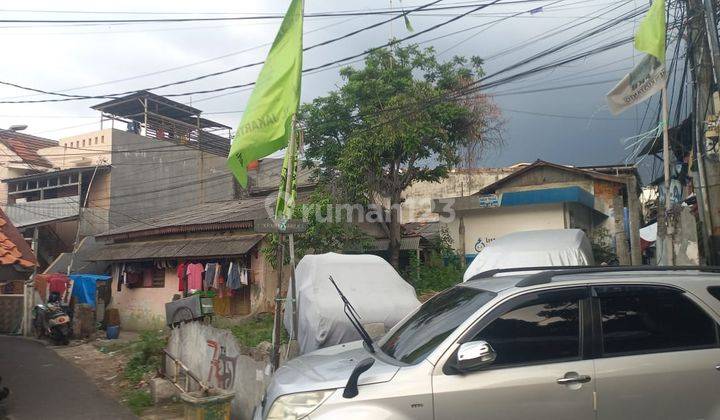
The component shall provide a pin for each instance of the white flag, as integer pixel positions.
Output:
(646, 79)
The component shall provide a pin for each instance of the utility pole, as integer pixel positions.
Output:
(634, 215)
(705, 73)
(667, 156)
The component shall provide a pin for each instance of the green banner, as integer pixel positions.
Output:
(266, 124)
(287, 190)
(650, 36)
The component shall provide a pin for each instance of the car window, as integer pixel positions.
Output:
(646, 319)
(436, 319)
(715, 291)
(542, 330)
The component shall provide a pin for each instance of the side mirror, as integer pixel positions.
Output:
(474, 355)
(351, 389)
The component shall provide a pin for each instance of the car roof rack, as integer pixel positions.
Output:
(492, 273)
(547, 276)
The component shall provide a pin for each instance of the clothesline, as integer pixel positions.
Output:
(213, 275)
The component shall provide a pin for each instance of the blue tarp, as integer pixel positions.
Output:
(85, 287)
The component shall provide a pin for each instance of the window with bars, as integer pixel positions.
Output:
(158, 278)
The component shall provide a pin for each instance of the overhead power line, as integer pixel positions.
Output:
(584, 36)
(183, 66)
(67, 97)
(253, 17)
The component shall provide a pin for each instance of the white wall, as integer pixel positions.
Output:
(86, 149)
(418, 197)
(11, 166)
(143, 308)
(248, 378)
(489, 224)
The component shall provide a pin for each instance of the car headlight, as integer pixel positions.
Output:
(296, 406)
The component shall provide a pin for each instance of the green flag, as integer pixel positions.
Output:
(267, 121)
(650, 36)
(288, 179)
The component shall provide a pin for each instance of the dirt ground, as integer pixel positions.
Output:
(105, 368)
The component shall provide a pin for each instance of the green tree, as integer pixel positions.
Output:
(329, 229)
(397, 121)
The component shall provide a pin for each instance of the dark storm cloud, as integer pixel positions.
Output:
(53, 58)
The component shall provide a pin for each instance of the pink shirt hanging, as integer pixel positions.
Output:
(194, 273)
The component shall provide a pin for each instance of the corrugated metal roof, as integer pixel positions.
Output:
(36, 213)
(81, 263)
(490, 189)
(408, 243)
(216, 246)
(58, 172)
(427, 230)
(204, 215)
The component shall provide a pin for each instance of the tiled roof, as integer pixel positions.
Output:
(13, 247)
(26, 147)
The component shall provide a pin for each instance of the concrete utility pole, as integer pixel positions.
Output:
(621, 247)
(704, 75)
(634, 213)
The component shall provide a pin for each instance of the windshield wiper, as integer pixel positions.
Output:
(354, 318)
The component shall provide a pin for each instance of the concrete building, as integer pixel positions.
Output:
(101, 180)
(19, 156)
(417, 199)
(542, 195)
(264, 178)
(208, 233)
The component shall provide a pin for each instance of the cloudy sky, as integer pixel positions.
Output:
(569, 125)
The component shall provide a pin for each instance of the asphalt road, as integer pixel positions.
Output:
(43, 386)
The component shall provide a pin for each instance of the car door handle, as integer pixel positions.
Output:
(579, 379)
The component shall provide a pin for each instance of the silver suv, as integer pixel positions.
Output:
(592, 343)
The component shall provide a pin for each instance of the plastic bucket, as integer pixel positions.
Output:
(112, 332)
(211, 405)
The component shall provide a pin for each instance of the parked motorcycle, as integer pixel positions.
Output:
(50, 320)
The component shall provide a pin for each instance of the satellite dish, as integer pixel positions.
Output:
(18, 127)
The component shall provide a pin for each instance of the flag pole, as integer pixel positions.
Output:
(291, 246)
(669, 252)
(290, 198)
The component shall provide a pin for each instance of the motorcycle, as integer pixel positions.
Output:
(51, 320)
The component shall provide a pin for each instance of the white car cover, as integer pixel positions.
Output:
(370, 283)
(535, 248)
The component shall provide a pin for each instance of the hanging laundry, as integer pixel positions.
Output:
(233, 278)
(244, 276)
(220, 286)
(58, 283)
(123, 276)
(194, 276)
(116, 274)
(210, 269)
(218, 273)
(181, 273)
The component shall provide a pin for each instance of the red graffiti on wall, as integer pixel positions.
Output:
(222, 367)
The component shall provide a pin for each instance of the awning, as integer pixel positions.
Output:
(36, 213)
(407, 243)
(206, 247)
(548, 195)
